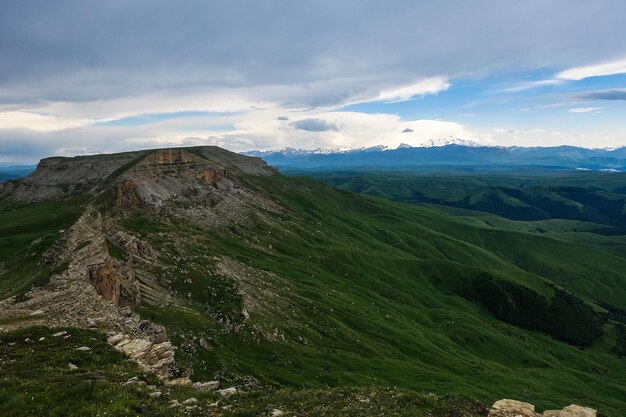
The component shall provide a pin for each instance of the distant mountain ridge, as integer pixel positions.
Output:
(448, 152)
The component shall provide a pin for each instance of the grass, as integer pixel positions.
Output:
(352, 402)
(25, 234)
(368, 300)
(36, 379)
(359, 293)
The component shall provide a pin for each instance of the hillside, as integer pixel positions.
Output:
(592, 197)
(205, 264)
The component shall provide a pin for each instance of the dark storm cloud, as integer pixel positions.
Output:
(78, 50)
(315, 125)
(604, 95)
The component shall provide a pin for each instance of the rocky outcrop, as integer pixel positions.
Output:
(96, 291)
(175, 183)
(126, 196)
(513, 408)
(114, 282)
(153, 356)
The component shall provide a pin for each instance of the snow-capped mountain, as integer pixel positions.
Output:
(448, 152)
(448, 141)
(288, 151)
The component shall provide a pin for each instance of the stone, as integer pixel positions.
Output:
(63, 333)
(190, 401)
(178, 381)
(574, 410)
(207, 386)
(36, 313)
(72, 366)
(84, 349)
(512, 408)
(156, 394)
(115, 339)
(552, 413)
(203, 343)
(227, 392)
(277, 413)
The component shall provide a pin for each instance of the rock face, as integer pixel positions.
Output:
(179, 183)
(114, 282)
(513, 408)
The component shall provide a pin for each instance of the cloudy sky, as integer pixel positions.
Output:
(82, 77)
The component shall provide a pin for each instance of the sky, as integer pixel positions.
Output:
(83, 77)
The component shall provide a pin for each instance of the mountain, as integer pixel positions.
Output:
(447, 141)
(446, 153)
(204, 265)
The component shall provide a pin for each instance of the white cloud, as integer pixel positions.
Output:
(39, 122)
(530, 85)
(598, 70)
(584, 109)
(432, 85)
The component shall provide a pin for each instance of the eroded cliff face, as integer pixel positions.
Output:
(175, 183)
(115, 282)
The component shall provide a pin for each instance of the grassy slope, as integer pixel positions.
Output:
(366, 297)
(36, 380)
(368, 300)
(587, 196)
(25, 233)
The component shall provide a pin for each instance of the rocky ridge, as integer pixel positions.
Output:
(95, 289)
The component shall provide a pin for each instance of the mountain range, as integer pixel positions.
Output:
(449, 152)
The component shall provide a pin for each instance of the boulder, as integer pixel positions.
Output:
(207, 386)
(190, 401)
(512, 408)
(227, 392)
(574, 410)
